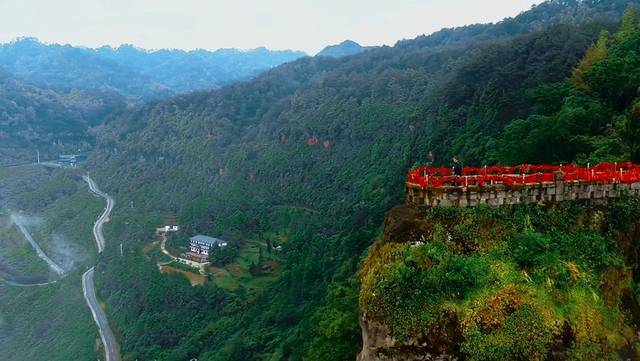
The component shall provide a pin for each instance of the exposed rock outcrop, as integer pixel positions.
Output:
(378, 345)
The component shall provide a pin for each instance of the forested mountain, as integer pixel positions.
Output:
(131, 71)
(313, 152)
(51, 95)
(345, 48)
(33, 118)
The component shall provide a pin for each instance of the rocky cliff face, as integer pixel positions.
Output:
(379, 345)
(542, 282)
(404, 224)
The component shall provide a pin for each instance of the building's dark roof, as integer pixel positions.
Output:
(210, 241)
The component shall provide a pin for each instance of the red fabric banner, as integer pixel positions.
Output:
(525, 174)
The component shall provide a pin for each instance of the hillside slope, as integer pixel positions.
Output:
(49, 322)
(34, 118)
(310, 155)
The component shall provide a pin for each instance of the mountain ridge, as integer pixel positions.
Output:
(132, 71)
(345, 48)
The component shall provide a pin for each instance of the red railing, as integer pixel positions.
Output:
(525, 174)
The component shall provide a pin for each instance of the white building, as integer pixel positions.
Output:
(202, 244)
(170, 225)
(171, 228)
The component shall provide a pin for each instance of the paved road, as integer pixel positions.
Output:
(108, 340)
(18, 222)
(104, 217)
(88, 288)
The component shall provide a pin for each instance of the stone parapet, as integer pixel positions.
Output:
(500, 195)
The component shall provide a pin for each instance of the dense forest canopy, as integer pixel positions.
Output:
(52, 97)
(34, 118)
(316, 150)
(591, 117)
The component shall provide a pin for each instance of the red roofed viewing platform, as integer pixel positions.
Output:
(499, 185)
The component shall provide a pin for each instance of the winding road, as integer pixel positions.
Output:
(104, 217)
(17, 220)
(106, 335)
(88, 289)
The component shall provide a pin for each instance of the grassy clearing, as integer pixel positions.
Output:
(184, 267)
(238, 273)
(194, 278)
(232, 276)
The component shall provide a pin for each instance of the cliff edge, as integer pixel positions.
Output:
(527, 282)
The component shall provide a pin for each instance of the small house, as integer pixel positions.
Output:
(202, 244)
(170, 224)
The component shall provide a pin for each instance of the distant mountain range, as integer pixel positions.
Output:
(345, 48)
(134, 72)
(52, 95)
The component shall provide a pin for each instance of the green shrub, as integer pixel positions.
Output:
(529, 248)
(523, 336)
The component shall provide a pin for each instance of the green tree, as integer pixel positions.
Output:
(629, 24)
(595, 53)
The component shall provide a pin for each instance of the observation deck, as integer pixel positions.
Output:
(498, 185)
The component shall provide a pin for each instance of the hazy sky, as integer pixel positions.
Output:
(306, 25)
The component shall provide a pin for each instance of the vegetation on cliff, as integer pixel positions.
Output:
(532, 282)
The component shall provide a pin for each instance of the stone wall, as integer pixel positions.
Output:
(499, 194)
